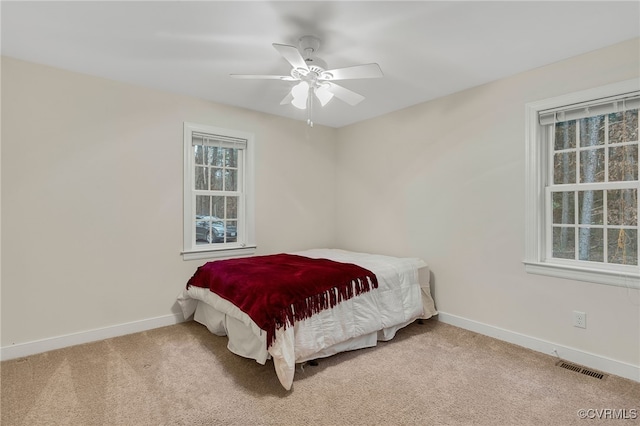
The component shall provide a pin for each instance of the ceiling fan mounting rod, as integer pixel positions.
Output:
(309, 44)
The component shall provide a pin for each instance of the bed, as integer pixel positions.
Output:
(397, 295)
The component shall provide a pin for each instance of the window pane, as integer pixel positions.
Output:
(592, 131)
(214, 156)
(203, 232)
(216, 179)
(217, 207)
(623, 246)
(622, 207)
(217, 226)
(591, 244)
(565, 136)
(592, 165)
(623, 163)
(231, 180)
(203, 205)
(564, 243)
(202, 220)
(563, 207)
(201, 178)
(232, 231)
(564, 167)
(198, 152)
(232, 207)
(590, 205)
(623, 126)
(231, 157)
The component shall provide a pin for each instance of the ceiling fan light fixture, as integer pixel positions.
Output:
(300, 93)
(323, 94)
(299, 103)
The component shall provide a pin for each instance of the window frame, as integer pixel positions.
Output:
(537, 171)
(245, 244)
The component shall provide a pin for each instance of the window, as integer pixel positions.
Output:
(582, 186)
(218, 192)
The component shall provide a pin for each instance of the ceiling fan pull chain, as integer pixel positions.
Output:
(309, 106)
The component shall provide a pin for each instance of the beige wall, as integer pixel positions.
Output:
(444, 181)
(92, 197)
(92, 201)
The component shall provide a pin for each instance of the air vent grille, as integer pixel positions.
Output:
(581, 370)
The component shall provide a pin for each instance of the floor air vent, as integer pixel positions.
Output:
(580, 369)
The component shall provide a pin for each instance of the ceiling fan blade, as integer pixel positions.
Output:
(287, 99)
(263, 77)
(344, 94)
(357, 71)
(292, 55)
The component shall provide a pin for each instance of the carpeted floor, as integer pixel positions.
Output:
(430, 374)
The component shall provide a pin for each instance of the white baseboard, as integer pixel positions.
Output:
(596, 362)
(586, 359)
(44, 345)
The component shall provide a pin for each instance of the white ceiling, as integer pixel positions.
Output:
(426, 49)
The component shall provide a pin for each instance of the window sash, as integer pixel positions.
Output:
(575, 227)
(548, 139)
(239, 221)
(220, 142)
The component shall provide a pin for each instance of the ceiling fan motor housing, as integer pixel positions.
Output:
(316, 65)
(316, 70)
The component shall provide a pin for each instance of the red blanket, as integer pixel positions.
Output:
(276, 290)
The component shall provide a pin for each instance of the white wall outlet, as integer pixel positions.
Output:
(579, 319)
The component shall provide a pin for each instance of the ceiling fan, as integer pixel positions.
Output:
(314, 78)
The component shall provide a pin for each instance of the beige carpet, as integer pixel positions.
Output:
(430, 374)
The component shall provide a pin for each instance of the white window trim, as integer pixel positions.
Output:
(246, 247)
(534, 260)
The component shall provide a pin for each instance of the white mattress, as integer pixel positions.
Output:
(402, 297)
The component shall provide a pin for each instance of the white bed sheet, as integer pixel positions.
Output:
(402, 296)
